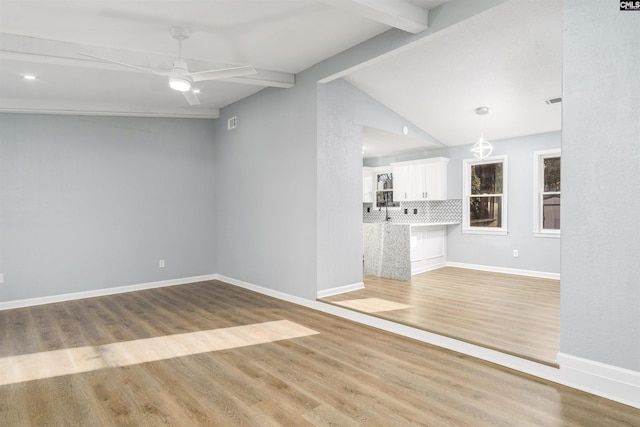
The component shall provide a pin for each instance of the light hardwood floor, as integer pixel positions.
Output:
(514, 314)
(211, 354)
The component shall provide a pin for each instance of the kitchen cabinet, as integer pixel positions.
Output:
(401, 183)
(424, 179)
(368, 176)
(428, 248)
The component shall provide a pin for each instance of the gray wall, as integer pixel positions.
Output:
(266, 190)
(95, 202)
(343, 110)
(600, 294)
(339, 172)
(536, 253)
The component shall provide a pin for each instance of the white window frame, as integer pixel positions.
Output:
(378, 170)
(538, 190)
(466, 191)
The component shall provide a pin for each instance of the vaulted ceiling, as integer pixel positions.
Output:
(508, 58)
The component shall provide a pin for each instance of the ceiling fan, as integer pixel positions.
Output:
(180, 78)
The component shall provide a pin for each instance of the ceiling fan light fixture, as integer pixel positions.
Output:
(180, 84)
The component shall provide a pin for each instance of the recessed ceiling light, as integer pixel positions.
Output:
(29, 77)
(196, 91)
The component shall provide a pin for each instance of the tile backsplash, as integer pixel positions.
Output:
(427, 211)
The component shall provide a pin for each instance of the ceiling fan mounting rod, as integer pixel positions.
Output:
(179, 33)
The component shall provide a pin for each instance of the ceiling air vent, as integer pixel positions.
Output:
(552, 101)
(232, 123)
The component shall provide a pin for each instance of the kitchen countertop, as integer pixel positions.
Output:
(414, 224)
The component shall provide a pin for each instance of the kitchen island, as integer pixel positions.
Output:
(398, 250)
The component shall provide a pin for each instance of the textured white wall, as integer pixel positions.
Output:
(600, 291)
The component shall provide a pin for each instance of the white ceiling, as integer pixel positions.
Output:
(278, 37)
(380, 143)
(508, 58)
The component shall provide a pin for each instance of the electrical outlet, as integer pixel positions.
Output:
(406, 211)
(516, 254)
(161, 263)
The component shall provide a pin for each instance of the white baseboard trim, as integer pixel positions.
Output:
(424, 269)
(516, 271)
(266, 291)
(340, 290)
(608, 382)
(102, 292)
(612, 382)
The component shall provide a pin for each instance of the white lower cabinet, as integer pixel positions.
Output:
(428, 248)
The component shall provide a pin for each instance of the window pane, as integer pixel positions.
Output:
(486, 179)
(485, 211)
(385, 181)
(552, 174)
(385, 198)
(551, 212)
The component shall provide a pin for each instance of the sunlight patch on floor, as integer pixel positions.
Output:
(34, 366)
(372, 305)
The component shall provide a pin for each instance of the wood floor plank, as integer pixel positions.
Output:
(347, 374)
(515, 314)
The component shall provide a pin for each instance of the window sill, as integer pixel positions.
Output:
(546, 235)
(485, 232)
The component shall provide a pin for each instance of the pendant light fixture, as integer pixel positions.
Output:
(482, 148)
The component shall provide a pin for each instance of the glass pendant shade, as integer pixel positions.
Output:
(482, 148)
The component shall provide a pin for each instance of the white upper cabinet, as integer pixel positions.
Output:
(401, 183)
(368, 186)
(424, 179)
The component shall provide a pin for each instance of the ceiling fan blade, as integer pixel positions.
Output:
(135, 67)
(191, 97)
(222, 74)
